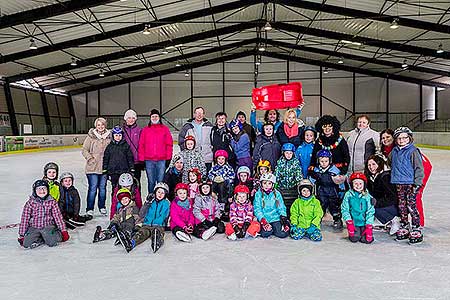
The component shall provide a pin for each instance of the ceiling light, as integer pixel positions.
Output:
(186, 74)
(261, 48)
(74, 62)
(351, 43)
(440, 89)
(404, 64)
(340, 61)
(165, 51)
(101, 74)
(439, 49)
(394, 24)
(33, 45)
(258, 61)
(178, 45)
(146, 30)
(325, 71)
(177, 64)
(267, 27)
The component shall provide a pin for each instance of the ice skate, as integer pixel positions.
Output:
(97, 234)
(338, 225)
(402, 234)
(125, 240)
(75, 223)
(157, 240)
(36, 244)
(183, 236)
(232, 237)
(416, 236)
(395, 225)
(209, 233)
(69, 225)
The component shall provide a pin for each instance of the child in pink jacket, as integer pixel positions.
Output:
(182, 220)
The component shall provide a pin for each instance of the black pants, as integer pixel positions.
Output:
(333, 204)
(200, 228)
(289, 196)
(138, 168)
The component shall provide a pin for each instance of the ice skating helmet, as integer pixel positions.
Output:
(234, 123)
(358, 175)
(197, 173)
(309, 128)
(221, 153)
(51, 166)
(324, 153)
(66, 175)
(40, 183)
(288, 147)
(161, 185)
(241, 188)
(122, 193)
(181, 186)
(243, 169)
(263, 163)
(126, 179)
(305, 183)
(189, 138)
(401, 130)
(268, 177)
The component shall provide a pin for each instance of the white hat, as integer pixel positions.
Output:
(130, 114)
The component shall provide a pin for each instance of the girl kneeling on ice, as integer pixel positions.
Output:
(270, 209)
(241, 215)
(358, 210)
(182, 220)
(306, 213)
(207, 212)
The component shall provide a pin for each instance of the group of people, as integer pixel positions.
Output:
(276, 177)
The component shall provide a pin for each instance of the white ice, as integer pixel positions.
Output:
(218, 268)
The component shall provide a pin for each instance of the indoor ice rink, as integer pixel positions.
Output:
(66, 63)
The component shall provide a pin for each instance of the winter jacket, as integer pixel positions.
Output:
(382, 190)
(358, 207)
(283, 138)
(362, 143)
(266, 149)
(93, 148)
(304, 153)
(118, 158)
(322, 178)
(38, 213)
(69, 202)
(135, 196)
(220, 140)
(241, 213)
(179, 216)
(250, 131)
(155, 212)
(206, 208)
(156, 143)
(127, 217)
(258, 125)
(288, 173)
(132, 134)
(241, 145)
(203, 143)
(55, 189)
(192, 159)
(305, 212)
(269, 206)
(406, 165)
(172, 177)
(340, 153)
(226, 171)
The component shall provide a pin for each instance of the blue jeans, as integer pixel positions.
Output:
(155, 172)
(96, 182)
(276, 231)
(385, 214)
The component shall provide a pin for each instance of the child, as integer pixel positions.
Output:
(304, 151)
(241, 216)
(240, 144)
(358, 210)
(41, 222)
(270, 209)
(324, 176)
(288, 173)
(154, 214)
(194, 180)
(207, 212)
(123, 222)
(69, 203)
(174, 174)
(263, 167)
(51, 170)
(306, 213)
(267, 146)
(222, 176)
(192, 158)
(243, 177)
(126, 181)
(182, 220)
(118, 157)
(407, 173)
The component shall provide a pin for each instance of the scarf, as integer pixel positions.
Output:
(387, 149)
(102, 136)
(291, 131)
(184, 204)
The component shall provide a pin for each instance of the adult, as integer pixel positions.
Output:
(93, 149)
(221, 137)
(387, 141)
(362, 143)
(200, 128)
(267, 146)
(290, 130)
(249, 130)
(132, 132)
(270, 116)
(380, 187)
(155, 147)
(332, 140)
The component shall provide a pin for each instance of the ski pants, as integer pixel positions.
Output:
(360, 235)
(49, 235)
(223, 191)
(252, 230)
(146, 232)
(276, 231)
(297, 233)
(333, 204)
(407, 204)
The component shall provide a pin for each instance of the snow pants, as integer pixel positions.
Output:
(407, 204)
(49, 235)
(297, 233)
(146, 232)
(276, 231)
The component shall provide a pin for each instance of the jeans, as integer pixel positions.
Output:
(385, 214)
(96, 181)
(276, 231)
(155, 172)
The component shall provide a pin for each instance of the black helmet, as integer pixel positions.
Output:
(49, 166)
(40, 183)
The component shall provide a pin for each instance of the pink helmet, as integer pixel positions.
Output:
(221, 153)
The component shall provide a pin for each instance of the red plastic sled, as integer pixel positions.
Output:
(427, 167)
(278, 96)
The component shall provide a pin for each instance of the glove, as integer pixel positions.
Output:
(240, 233)
(311, 229)
(245, 227)
(20, 240)
(350, 229)
(266, 226)
(284, 223)
(216, 221)
(65, 235)
(189, 228)
(367, 236)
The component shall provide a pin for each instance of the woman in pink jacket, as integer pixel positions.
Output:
(182, 219)
(155, 147)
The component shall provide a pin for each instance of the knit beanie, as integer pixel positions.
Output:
(130, 114)
(241, 113)
(155, 112)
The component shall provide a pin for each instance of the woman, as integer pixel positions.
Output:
(387, 141)
(132, 133)
(93, 150)
(155, 147)
(290, 131)
(380, 187)
(362, 142)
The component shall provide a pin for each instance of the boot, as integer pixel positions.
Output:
(416, 236)
(402, 233)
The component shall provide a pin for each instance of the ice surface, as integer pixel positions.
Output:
(218, 268)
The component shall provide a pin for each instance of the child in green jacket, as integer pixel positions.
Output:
(358, 210)
(306, 213)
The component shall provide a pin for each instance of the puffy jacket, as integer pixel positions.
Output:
(406, 165)
(269, 206)
(172, 177)
(155, 212)
(241, 213)
(382, 190)
(132, 134)
(206, 208)
(266, 149)
(69, 202)
(156, 143)
(226, 171)
(135, 196)
(55, 189)
(203, 143)
(283, 138)
(305, 212)
(241, 145)
(179, 216)
(93, 148)
(127, 217)
(326, 188)
(220, 139)
(288, 173)
(192, 159)
(118, 158)
(341, 155)
(304, 154)
(362, 143)
(358, 207)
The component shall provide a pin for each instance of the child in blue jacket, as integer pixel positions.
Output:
(304, 151)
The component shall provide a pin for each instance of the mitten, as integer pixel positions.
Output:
(20, 240)
(65, 235)
(266, 226)
(367, 236)
(351, 230)
(284, 223)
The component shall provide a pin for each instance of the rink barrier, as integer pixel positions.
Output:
(24, 144)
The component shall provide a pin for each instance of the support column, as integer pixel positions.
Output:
(321, 92)
(11, 111)
(46, 112)
(421, 103)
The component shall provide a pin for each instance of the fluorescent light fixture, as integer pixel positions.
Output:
(177, 64)
(186, 74)
(325, 71)
(261, 48)
(146, 30)
(439, 49)
(178, 45)
(33, 45)
(101, 74)
(404, 64)
(340, 61)
(267, 27)
(440, 89)
(394, 24)
(165, 51)
(74, 62)
(351, 43)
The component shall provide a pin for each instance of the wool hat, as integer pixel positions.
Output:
(241, 113)
(130, 114)
(155, 112)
